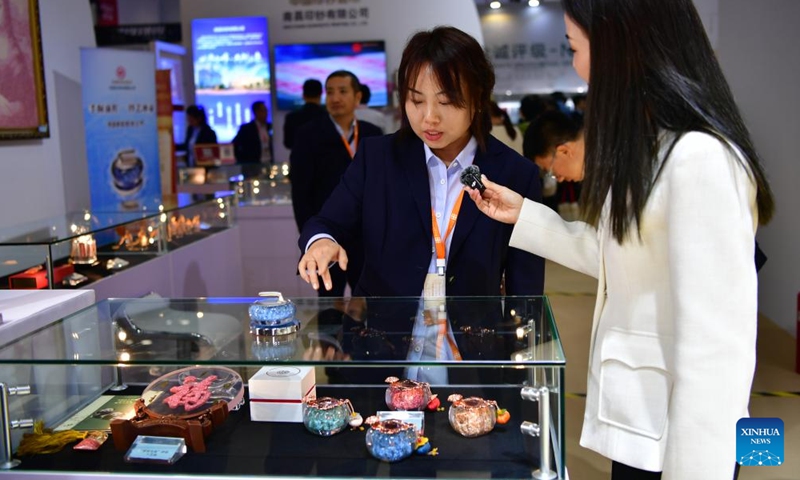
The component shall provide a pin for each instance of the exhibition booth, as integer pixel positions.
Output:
(130, 282)
(145, 284)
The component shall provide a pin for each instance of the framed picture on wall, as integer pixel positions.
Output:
(23, 103)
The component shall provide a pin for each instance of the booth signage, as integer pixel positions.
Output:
(137, 34)
(119, 108)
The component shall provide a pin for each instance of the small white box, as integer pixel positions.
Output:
(276, 393)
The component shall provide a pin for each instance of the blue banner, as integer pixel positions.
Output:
(119, 110)
(231, 70)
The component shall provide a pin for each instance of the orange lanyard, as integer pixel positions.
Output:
(441, 334)
(355, 142)
(440, 340)
(437, 237)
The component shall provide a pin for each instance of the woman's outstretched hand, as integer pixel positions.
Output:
(314, 264)
(497, 202)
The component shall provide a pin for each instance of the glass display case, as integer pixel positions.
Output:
(255, 184)
(271, 189)
(258, 192)
(262, 363)
(208, 180)
(79, 248)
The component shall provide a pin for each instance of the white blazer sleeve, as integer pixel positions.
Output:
(710, 233)
(543, 232)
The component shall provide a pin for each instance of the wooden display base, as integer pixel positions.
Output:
(193, 430)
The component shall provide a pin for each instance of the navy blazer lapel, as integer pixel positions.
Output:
(411, 159)
(491, 167)
(331, 132)
(336, 151)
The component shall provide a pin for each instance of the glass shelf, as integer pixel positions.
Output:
(496, 348)
(78, 248)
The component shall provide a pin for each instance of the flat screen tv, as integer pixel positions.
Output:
(296, 63)
(231, 70)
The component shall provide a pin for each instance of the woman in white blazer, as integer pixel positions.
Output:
(672, 195)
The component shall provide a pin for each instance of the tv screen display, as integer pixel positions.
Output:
(231, 70)
(294, 64)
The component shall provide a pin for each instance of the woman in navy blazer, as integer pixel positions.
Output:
(198, 132)
(384, 197)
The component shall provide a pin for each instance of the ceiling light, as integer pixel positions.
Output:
(494, 5)
(533, 3)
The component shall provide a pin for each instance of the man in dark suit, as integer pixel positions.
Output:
(312, 109)
(253, 143)
(325, 152)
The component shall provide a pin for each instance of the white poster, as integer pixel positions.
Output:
(529, 50)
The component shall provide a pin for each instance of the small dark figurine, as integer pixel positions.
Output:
(471, 177)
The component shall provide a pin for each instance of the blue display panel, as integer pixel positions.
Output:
(119, 111)
(231, 70)
(294, 64)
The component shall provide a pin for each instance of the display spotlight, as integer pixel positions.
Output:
(494, 5)
(533, 3)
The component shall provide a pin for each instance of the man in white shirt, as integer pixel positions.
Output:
(375, 117)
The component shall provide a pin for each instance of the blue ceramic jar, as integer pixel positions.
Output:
(271, 313)
(391, 440)
(326, 416)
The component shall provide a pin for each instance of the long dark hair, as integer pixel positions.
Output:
(198, 113)
(531, 106)
(456, 59)
(498, 112)
(652, 69)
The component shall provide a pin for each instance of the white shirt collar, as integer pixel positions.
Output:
(464, 158)
(339, 129)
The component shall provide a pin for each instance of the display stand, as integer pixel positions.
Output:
(193, 430)
(182, 348)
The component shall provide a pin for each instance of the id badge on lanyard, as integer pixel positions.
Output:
(435, 288)
(434, 291)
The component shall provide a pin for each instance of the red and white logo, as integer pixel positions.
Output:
(121, 72)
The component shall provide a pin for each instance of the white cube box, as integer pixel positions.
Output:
(276, 393)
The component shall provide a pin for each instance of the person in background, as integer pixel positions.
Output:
(562, 102)
(555, 141)
(363, 112)
(531, 106)
(318, 162)
(311, 109)
(403, 191)
(579, 101)
(198, 132)
(563, 136)
(673, 193)
(504, 130)
(253, 142)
